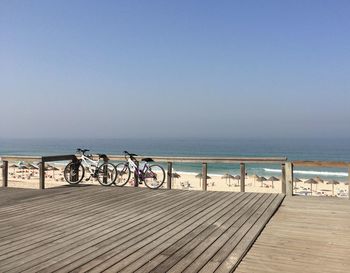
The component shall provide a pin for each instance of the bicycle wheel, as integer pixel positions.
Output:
(123, 174)
(106, 174)
(74, 172)
(154, 177)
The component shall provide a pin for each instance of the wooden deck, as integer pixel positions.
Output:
(95, 229)
(307, 234)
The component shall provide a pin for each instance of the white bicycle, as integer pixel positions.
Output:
(106, 173)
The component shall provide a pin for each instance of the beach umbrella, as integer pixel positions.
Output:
(319, 179)
(311, 182)
(238, 178)
(255, 177)
(273, 179)
(296, 180)
(333, 182)
(14, 166)
(261, 179)
(228, 177)
(52, 168)
(30, 167)
(200, 176)
(175, 175)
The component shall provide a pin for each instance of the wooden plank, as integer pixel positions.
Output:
(187, 224)
(159, 260)
(85, 230)
(185, 256)
(80, 209)
(307, 246)
(5, 168)
(204, 176)
(242, 184)
(169, 175)
(27, 260)
(254, 228)
(129, 229)
(111, 240)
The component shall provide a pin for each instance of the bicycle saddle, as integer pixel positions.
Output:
(102, 155)
(147, 159)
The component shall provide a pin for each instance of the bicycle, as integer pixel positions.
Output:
(151, 174)
(106, 173)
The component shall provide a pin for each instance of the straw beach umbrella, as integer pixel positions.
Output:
(200, 176)
(255, 177)
(238, 178)
(296, 180)
(333, 182)
(228, 177)
(14, 166)
(52, 168)
(175, 176)
(261, 179)
(311, 182)
(319, 179)
(273, 179)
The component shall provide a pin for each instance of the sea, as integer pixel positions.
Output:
(293, 149)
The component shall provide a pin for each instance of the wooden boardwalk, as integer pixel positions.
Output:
(95, 229)
(307, 234)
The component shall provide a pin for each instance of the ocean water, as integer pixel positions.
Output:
(294, 149)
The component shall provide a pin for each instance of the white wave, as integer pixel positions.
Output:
(341, 174)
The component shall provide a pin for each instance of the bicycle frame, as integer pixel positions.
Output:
(134, 168)
(90, 164)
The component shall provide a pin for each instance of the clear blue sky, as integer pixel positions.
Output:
(175, 68)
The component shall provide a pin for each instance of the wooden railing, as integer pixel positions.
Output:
(41, 159)
(287, 167)
(318, 164)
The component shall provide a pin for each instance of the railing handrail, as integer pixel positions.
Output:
(316, 163)
(207, 159)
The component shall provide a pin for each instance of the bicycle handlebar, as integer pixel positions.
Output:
(83, 151)
(130, 155)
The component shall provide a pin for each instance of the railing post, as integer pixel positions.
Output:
(75, 177)
(349, 183)
(283, 178)
(5, 171)
(136, 177)
(204, 176)
(42, 175)
(170, 174)
(289, 178)
(105, 170)
(242, 184)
